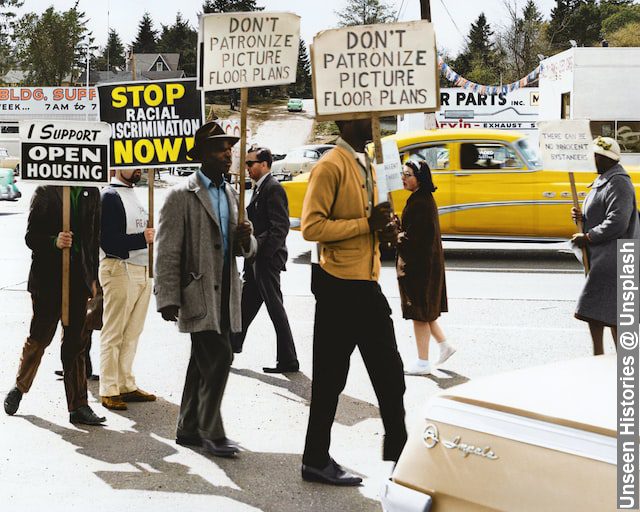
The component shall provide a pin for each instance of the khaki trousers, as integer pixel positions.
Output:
(127, 290)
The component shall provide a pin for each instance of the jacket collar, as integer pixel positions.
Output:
(195, 184)
(603, 179)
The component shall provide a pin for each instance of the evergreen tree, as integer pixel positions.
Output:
(7, 23)
(479, 60)
(113, 55)
(302, 87)
(180, 38)
(365, 12)
(147, 39)
(578, 20)
(219, 6)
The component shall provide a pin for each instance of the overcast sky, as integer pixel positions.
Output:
(124, 15)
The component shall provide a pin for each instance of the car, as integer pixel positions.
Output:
(8, 188)
(540, 438)
(298, 161)
(184, 171)
(491, 186)
(10, 162)
(294, 105)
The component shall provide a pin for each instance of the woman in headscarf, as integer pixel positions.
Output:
(609, 213)
(420, 266)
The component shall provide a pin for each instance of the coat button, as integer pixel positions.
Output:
(362, 186)
(215, 287)
(217, 246)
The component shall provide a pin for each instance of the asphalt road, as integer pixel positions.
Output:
(510, 306)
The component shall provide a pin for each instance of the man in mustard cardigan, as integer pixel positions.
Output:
(340, 213)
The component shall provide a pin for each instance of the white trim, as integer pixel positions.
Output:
(525, 430)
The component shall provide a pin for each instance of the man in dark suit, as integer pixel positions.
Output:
(46, 241)
(269, 213)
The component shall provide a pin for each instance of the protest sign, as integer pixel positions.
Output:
(248, 49)
(389, 172)
(64, 152)
(565, 145)
(387, 68)
(152, 123)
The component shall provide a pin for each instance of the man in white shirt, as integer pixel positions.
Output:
(124, 276)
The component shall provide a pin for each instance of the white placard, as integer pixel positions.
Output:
(565, 145)
(248, 49)
(72, 153)
(387, 68)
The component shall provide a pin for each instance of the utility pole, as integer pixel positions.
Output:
(425, 10)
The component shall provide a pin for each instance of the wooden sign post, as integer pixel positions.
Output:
(66, 254)
(244, 100)
(268, 56)
(565, 145)
(151, 178)
(65, 153)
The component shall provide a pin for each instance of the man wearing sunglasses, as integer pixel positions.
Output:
(268, 210)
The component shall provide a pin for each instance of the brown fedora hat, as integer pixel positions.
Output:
(209, 131)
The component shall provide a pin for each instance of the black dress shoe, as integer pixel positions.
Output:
(221, 447)
(93, 376)
(333, 474)
(192, 440)
(283, 368)
(12, 401)
(86, 416)
(59, 373)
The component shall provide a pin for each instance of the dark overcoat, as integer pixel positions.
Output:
(420, 260)
(610, 213)
(43, 226)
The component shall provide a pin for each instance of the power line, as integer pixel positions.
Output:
(400, 10)
(453, 21)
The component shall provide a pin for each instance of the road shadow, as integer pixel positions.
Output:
(351, 411)
(302, 258)
(266, 481)
(452, 379)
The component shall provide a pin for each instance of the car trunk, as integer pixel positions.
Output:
(531, 440)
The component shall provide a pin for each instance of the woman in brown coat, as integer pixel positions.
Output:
(420, 266)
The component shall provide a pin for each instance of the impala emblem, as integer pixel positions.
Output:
(431, 438)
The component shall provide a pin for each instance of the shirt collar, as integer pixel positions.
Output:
(208, 183)
(261, 180)
(606, 176)
(116, 181)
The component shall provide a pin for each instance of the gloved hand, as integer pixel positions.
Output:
(380, 216)
(580, 239)
(389, 234)
(170, 313)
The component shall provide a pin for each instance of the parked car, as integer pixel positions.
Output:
(294, 105)
(491, 185)
(9, 162)
(531, 440)
(298, 161)
(184, 171)
(8, 188)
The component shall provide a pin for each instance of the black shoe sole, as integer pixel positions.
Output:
(188, 441)
(281, 370)
(86, 422)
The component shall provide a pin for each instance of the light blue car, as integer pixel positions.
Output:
(8, 188)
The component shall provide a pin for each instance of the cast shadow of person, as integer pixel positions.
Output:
(350, 412)
(267, 481)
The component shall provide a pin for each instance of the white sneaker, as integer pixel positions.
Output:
(418, 368)
(446, 351)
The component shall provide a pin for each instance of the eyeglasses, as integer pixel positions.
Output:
(408, 174)
(249, 163)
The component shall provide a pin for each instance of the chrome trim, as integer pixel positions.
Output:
(443, 210)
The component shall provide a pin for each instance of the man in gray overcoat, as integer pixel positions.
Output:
(197, 283)
(609, 213)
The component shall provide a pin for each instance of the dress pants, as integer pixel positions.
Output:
(349, 314)
(127, 290)
(47, 310)
(262, 284)
(204, 385)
